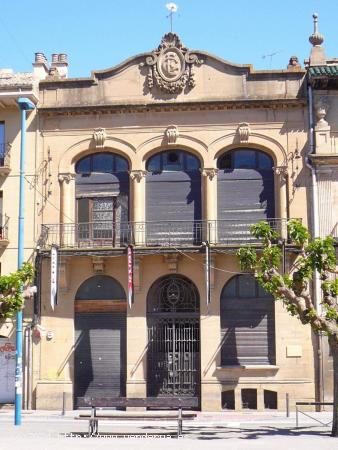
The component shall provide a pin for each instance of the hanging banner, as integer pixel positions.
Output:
(207, 271)
(130, 276)
(53, 276)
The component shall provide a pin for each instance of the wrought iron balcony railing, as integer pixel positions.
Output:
(5, 153)
(4, 227)
(152, 234)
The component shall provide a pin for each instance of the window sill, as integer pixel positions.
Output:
(248, 367)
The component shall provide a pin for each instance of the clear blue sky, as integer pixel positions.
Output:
(99, 34)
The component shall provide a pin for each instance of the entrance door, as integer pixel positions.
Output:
(173, 338)
(100, 339)
(173, 358)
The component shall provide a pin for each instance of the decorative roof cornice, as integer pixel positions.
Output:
(171, 106)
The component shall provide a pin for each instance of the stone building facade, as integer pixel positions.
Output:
(171, 154)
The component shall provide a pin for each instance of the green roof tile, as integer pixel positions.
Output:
(327, 71)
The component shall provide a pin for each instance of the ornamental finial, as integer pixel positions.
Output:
(316, 38)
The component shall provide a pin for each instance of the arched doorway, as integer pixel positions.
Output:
(173, 363)
(102, 199)
(245, 193)
(173, 198)
(247, 323)
(100, 338)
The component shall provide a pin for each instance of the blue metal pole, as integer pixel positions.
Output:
(24, 104)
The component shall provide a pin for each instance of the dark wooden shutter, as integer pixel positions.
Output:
(247, 325)
(173, 205)
(100, 354)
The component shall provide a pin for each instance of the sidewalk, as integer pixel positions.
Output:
(226, 430)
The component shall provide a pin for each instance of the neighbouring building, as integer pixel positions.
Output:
(147, 177)
(322, 76)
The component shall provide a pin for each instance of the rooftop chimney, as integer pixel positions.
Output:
(40, 66)
(60, 63)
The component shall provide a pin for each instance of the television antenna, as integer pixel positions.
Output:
(172, 8)
(270, 56)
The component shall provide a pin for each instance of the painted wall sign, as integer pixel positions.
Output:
(7, 371)
(53, 276)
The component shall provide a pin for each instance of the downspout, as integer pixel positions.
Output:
(315, 233)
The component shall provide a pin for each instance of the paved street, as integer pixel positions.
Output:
(46, 430)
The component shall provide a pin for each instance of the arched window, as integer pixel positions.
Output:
(245, 192)
(247, 323)
(173, 198)
(100, 287)
(102, 193)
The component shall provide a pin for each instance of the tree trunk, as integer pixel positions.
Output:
(334, 351)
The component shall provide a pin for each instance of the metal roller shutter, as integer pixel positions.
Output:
(170, 197)
(100, 354)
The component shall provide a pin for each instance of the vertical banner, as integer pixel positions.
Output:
(207, 271)
(53, 276)
(130, 276)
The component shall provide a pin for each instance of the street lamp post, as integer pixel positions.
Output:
(24, 105)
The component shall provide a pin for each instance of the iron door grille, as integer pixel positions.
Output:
(173, 357)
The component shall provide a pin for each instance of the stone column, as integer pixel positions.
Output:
(67, 210)
(281, 177)
(326, 224)
(210, 203)
(138, 205)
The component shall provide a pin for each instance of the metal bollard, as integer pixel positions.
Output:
(64, 403)
(287, 399)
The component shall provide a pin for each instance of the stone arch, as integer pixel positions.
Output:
(256, 141)
(85, 147)
(186, 143)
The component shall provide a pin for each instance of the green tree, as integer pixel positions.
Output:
(12, 292)
(294, 287)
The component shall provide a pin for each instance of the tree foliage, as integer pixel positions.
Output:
(11, 290)
(294, 287)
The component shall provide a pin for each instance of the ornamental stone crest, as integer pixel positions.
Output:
(171, 65)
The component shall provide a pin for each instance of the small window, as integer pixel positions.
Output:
(270, 399)
(192, 163)
(225, 161)
(228, 399)
(244, 159)
(121, 164)
(264, 161)
(83, 166)
(154, 164)
(249, 398)
(172, 161)
(103, 162)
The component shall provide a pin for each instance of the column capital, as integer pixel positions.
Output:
(137, 174)
(66, 177)
(282, 171)
(210, 172)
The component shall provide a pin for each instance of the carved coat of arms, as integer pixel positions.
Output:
(171, 65)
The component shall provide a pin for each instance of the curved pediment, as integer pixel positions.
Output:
(170, 73)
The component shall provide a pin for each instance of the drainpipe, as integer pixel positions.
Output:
(315, 233)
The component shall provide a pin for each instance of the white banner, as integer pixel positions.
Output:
(53, 276)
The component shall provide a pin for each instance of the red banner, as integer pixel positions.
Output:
(130, 276)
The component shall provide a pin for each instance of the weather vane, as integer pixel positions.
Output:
(172, 8)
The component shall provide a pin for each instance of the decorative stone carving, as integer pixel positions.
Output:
(171, 260)
(99, 136)
(243, 131)
(172, 134)
(66, 177)
(210, 172)
(322, 107)
(137, 174)
(98, 264)
(171, 65)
